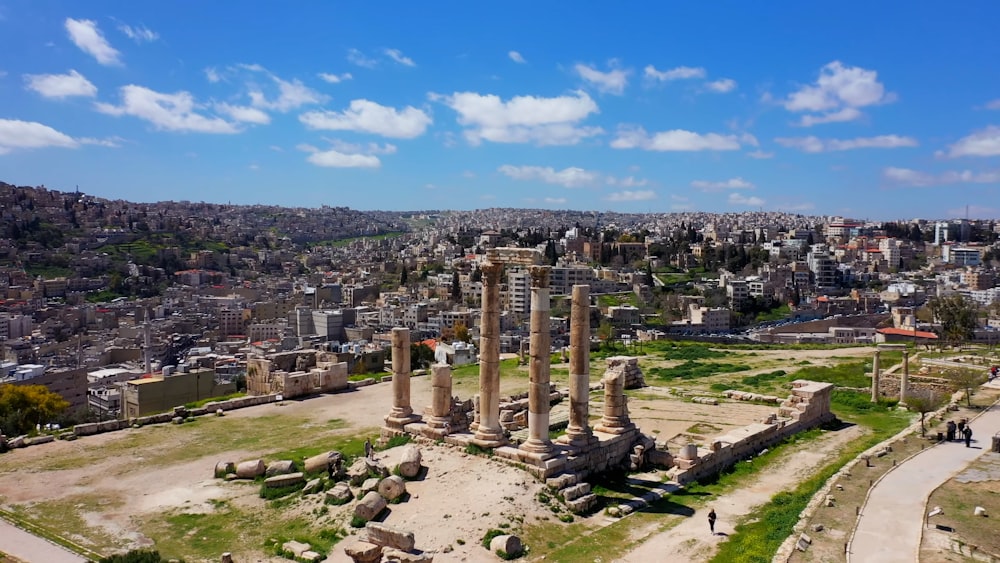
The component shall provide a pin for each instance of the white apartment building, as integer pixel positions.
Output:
(890, 252)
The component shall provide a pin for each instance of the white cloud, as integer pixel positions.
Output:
(678, 140)
(291, 95)
(679, 73)
(980, 143)
(721, 85)
(816, 145)
(730, 184)
(523, 119)
(342, 155)
(516, 57)
(212, 75)
(16, 134)
(397, 55)
(334, 78)
(629, 195)
(906, 176)
(243, 114)
(85, 35)
(796, 207)
(168, 112)
(993, 104)
(112, 142)
(572, 177)
(740, 199)
(759, 154)
(555, 200)
(356, 57)
(140, 34)
(61, 85)
(370, 117)
(838, 91)
(254, 167)
(611, 82)
(627, 182)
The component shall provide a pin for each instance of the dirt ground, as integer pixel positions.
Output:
(139, 487)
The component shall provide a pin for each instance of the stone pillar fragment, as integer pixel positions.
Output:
(440, 396)
(615, 419)
(875, 375)
(904, 380)
(540, 354)
(489, 433)
(578, 431)
(401, 413)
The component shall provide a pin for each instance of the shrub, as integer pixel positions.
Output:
(358, 522)
(489, 537)
(135, 556)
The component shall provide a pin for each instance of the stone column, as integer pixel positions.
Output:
(540, 354)
(440, 396)
(904, 380)
(875, 375)
(490, 433)
(402, 412)
(578, 431)
(615, 419)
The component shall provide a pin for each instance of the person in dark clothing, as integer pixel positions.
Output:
(711, 521)
(951, 430)
(968, 436)
(961, 428)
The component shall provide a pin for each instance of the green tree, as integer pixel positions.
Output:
(957, 317)
(421, 356)
(24, 407)
(462, 332)
(923, 403)
(402, 276)
(966, 380)
(456, 287)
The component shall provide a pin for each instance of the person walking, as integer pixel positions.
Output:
(967, 432)
(711, 521)
(368, 448)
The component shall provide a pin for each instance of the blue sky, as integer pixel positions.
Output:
(877, 110)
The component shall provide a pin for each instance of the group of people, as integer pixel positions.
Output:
(962, 431)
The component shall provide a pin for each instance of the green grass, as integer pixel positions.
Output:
(48, 272)
(203, 402)
(774, 314)
(695, 352)
(695, 370)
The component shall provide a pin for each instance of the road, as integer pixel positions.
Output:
(31, 548)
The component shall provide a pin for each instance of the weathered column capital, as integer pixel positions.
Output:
(539, 276)
(491, 273)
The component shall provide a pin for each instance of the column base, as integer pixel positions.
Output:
(614, 427)
(489, 438)
(439, 422)
(577, 438)
(541, 449)
(397, 423)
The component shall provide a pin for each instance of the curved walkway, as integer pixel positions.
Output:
(892, 518)
(31, 548)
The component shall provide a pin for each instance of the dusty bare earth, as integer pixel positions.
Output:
(153, 486)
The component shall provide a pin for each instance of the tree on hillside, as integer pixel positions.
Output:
(421, 356)
(923, 403)
(966, 380)
(24, 407)
(456, 287)
(957, 317)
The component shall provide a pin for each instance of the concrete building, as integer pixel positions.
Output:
(519, 291)
(960, 255)
(711, 320)
(158, 394)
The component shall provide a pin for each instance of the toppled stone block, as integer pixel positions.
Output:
(287, 480)
(322, 461)
(409, 462)
(296, 548)
(583, 504)
(392, 487)
(280, 467)
(310, 556)
(376, 468)
(223, 468)
(979, 511)
(388, 536)
(509, 544)
(357, 472)
(312, 487)
(818, 527)
(369, 485)
(250, 469)
(370, 506)
(363, 552)
(393, 555)
(339, 494)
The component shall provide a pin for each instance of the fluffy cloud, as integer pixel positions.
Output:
(838, 88)
(243, 114)
(721, 85)
(679, 73)
(85, 35)
(815, 144)
(347, 155)
(740, 199)
(516, 57)
(630, 195)
(523, 119)
(168, 112)
(16, 134)
(140, 34)
(334, 78)
(730, 184)
(356, 57)
(627, 182)
(572, 177)
(678, 140)
(397, 55)
(760, 155)
(291, 95)
(60, 85)
(906, 176)
(611, 82)
(369, 117)
(980, 143)
(212, 75)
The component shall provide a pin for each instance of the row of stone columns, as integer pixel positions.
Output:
(904, 379)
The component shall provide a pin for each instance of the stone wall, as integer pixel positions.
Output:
(630, 366)
(888, 385)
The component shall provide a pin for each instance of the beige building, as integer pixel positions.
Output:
(158, 394)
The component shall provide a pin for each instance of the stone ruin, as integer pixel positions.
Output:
(614, 442)
(296, 374)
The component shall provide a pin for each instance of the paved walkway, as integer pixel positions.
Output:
(892, 519)
(33, 549)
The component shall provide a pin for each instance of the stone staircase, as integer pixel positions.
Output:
(574, 493)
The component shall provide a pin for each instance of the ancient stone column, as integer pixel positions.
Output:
(539, 364)
(578, 431)
(490, 433)
(402, 412)
(875, 375)
(904, 380)
(615, 418)
(440, 396)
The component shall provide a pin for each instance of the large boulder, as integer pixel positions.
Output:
(409, 461)
(387, 536)
(280, 467)
(391, 555)
(339, 494)
(321, 462)
(511, 545)
(376, 468)
(224, 468)
(369, 507)
(392, 487)
(313, 486)
(363, 552)
(369, 485)
(357, 472)
(250, 469)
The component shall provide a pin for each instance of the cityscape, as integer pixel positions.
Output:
(327, 289)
